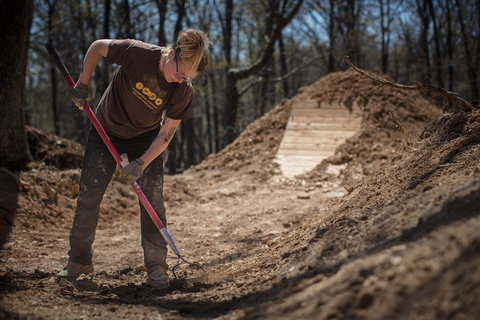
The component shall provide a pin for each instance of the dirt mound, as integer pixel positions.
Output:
(402, 243)
(252, 153)
(392, 119)
(51, 150)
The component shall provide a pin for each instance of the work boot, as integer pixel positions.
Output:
(73, 270)
(158, 278)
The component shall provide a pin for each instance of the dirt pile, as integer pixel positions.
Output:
(51, 150)
(401, 243)
(392, 120)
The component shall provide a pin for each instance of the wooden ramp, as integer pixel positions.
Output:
(313, 133)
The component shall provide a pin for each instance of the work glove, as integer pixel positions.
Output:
(79, 94)
(131, 172)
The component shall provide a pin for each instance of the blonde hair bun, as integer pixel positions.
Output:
(192, 47)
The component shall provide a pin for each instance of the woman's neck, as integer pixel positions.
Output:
(161, 64)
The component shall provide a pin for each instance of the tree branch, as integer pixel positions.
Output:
(277, 79)
(446, 95)
(280, 24)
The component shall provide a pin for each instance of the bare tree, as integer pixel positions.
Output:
(423, 12)
(126, 30)
(472, 67)
(436, 41)
(162, 6)
(175, 148)
(331, 36)
(385, 18)
(51, 5)
(103, 75)
(279, 16)
(348, 24)
(449, 43)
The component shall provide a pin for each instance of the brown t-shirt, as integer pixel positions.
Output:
(135, 99)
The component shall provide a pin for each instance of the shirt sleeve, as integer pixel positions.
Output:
(118, 51)
(181, 109)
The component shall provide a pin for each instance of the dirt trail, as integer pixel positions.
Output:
(387, 228)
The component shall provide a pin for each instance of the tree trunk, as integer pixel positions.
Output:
(449, 45)
(176, 154)
(425, 23)
(351, 17)
(331, 37)
(172, 155)
(15, 27)
(231, 108)
(283, 66)
(53, 70)
(232, 98)
(208, 116)
(216, 118)
(162, 12)
(181, 13)
(127, 23)
(436, 39)
(189, 138)
(56, 118)
(106, 35)
(472, 70)
(385, 29)
(227, 32)
(476, 94)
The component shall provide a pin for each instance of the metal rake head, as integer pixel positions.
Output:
(180, 260)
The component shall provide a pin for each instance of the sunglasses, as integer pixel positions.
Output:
(180, 75)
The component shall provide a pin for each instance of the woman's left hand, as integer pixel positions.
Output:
(131, 172)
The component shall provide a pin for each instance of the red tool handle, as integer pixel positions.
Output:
(143, 199)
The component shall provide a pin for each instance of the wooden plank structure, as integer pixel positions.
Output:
(314, 131)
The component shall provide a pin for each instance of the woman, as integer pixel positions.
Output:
(151, 84)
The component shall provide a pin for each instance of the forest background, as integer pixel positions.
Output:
(264, 51)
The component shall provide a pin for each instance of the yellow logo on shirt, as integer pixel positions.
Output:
(148, 97)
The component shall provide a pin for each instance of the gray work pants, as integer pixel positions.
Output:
(97, 171)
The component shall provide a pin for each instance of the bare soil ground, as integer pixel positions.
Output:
(387, 228)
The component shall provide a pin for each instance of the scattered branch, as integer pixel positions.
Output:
(446, 95)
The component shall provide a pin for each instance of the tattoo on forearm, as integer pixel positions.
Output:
(171, 131)
(169, 135)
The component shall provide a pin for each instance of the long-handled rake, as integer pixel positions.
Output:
(143, 199)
